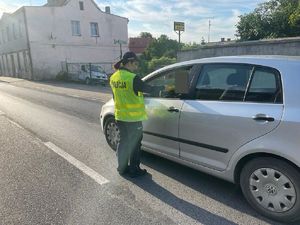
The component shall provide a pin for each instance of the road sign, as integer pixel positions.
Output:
(120, 42)
(178, 26)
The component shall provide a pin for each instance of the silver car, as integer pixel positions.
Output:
(237, 118)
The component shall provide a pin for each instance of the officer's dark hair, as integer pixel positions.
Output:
(127, 57)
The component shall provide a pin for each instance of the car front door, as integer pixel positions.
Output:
(163, 110)
(233, 105)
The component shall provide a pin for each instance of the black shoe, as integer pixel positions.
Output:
(137, 173)
(124, 171)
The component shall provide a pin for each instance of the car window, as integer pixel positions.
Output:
(223, 82)
(265, 87)
(176, 83)
(83, 68)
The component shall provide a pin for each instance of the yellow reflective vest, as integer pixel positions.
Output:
(129, 107)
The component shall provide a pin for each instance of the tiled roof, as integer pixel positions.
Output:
(138, 45)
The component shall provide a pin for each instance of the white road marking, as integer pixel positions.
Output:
(75, 96)
(81, 166)
(16, 124)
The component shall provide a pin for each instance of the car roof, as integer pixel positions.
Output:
(264, 60)
(244, 58)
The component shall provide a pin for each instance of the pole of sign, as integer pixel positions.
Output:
(121, 54)
(120, 42)
(179, 28)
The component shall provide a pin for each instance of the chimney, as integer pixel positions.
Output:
(107, 9)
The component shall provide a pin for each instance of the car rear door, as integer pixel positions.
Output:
(233, 105)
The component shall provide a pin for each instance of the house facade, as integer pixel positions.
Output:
(36, 41)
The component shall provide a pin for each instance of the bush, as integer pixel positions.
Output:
(157, 63)
(62, 76)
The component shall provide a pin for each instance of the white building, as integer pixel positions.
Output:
(35, 41)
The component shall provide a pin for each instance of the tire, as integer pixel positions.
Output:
(111, 132)
(87, 81)
(272, 187)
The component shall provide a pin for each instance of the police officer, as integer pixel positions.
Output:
(130, 111)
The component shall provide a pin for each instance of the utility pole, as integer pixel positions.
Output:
(209, 25)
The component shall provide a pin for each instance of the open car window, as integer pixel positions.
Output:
(176, 83)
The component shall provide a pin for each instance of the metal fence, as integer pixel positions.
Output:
(81, 71)
(74, 68)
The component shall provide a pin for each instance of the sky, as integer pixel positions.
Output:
(157, 16)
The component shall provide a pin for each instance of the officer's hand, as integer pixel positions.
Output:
(169, 88)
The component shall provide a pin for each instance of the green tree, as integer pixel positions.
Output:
(146, 35)
(161, 52)
(273, 19)
(143, 66)
(295, 19)
(157, 63)
(162, 46)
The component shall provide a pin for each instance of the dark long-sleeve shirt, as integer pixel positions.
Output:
(140, 86)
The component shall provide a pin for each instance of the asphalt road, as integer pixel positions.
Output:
(56, 168)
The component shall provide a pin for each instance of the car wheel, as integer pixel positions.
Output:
(272, 187)
(112, 133)
(87, 81)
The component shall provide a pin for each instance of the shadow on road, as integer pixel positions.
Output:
(217, 189)
(201, 215)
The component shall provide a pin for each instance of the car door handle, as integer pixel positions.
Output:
(173, 109)
(263, 117)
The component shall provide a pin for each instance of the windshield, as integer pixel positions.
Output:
(97, 69)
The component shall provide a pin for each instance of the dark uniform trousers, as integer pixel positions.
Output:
(129, 147)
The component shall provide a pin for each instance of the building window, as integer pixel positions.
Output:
(3, 36)
(81, 5)
(94, 30)
(76, 28)
(20, 28)
(14, 31)
(8, 33)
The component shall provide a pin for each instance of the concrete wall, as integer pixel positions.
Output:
(51, 40)
(14, 52)
(286, 46)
